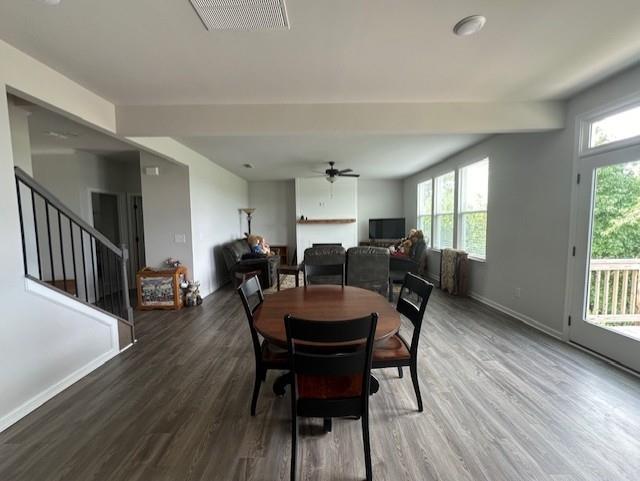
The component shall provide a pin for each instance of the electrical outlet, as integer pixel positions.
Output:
(517, 292)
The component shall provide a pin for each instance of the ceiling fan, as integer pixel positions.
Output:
(332, 173)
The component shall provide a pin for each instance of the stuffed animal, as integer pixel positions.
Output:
(405, 246)
(192, 296)
(258, 245)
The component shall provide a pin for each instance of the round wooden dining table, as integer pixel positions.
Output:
(322, 303)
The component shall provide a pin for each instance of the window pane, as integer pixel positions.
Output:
(474, 186)
(443, 231)
(425, 197)
(473, 234)
(623, 125)
(424, 224)
(445, 188)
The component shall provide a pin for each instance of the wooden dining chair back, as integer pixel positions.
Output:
(412, 304)
(266, 355)
(395, 351)
(330, 362)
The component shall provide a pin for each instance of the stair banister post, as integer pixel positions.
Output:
(125, 288)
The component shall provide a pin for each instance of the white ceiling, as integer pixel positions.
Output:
(158, 52)
(287, 157)
(150, 52)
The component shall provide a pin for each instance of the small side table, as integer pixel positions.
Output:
(240, 277)
(289, 271)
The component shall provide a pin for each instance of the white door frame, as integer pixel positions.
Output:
(611, 345)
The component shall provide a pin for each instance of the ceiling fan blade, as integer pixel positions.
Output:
(319, 172)
(345, 171)
(349, 175)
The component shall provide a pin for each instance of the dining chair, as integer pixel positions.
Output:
(395, 351)
(330, 362)
(267, 356)
(324, 265)
(368, 268)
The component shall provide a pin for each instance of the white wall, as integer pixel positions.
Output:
(20, 138)
(167, 212)
(318, 199)
(216, 195)
(379, 199)
(275, 216)
(45, 346)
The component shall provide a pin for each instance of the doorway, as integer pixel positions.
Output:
(605, 312)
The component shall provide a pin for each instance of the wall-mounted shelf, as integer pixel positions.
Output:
(326, 221)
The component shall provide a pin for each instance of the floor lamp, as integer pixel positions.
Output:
(248, 211)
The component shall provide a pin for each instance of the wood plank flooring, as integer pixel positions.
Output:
(502, 403)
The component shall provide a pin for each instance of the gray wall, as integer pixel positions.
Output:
(379, 199)
(167, 212)
(528, 215)
(275, 203)
(529, 211)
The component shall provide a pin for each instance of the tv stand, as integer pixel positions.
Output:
(380, 242)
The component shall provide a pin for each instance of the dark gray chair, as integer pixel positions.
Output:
(368, 268)
(324, 265)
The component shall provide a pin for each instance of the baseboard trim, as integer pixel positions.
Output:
(517, 315)
(44, 396)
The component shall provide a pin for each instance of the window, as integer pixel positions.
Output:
(443, 211)
(452, 208)
(425, 208)
(614, 128)
(473, 188)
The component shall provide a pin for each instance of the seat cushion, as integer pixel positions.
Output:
(393, 349)
(273, 354)
(329, 387)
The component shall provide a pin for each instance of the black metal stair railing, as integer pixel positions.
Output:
(64, 252)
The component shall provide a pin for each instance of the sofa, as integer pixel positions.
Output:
(268, 266)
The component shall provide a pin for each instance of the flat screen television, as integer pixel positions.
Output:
(386, 228)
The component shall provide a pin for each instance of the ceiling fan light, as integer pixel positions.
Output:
(331, 179)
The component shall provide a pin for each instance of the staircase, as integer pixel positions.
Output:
(63, 252)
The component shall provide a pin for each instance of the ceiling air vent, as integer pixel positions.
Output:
(242, 14)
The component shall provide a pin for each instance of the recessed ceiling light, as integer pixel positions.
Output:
(50, 2)
(469, 25)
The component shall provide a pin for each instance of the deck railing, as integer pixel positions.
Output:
(615, 290)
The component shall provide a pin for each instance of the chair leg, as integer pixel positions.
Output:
(256, 390)
(416, 386)
(367, 446)
(327, 425)
(294, 445)
(400, 373)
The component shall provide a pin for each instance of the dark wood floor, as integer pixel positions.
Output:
(502, 402)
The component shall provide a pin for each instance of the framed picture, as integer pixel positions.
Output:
(160, 289)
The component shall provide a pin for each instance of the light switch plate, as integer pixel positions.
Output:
(180, 238)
